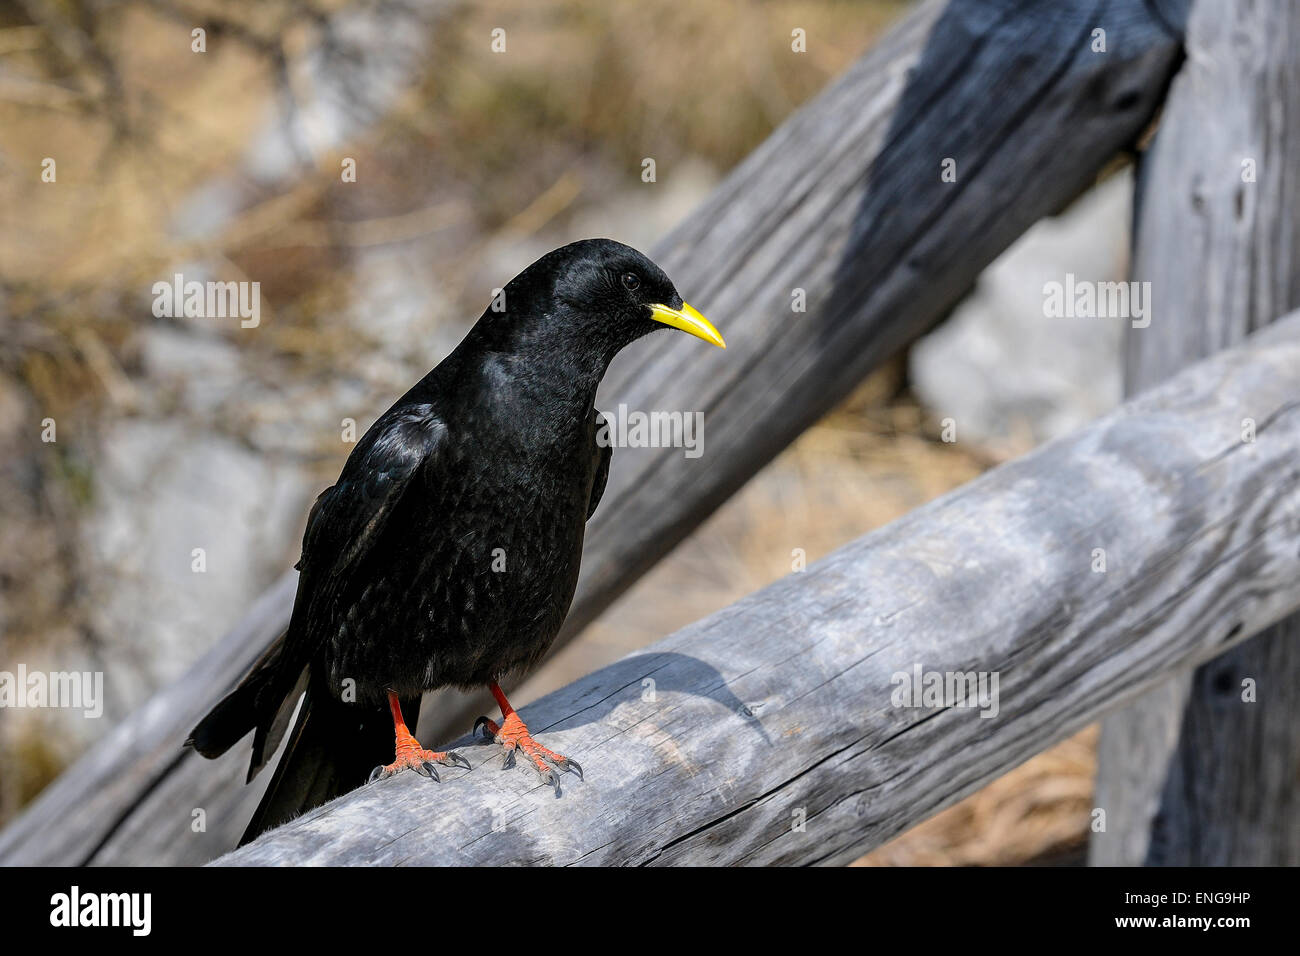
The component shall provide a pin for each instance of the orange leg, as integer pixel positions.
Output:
(514, 736)
(409, 753)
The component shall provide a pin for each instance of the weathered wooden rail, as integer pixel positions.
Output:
(768, 733)
(845, 201)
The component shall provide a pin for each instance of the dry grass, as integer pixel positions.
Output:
(1039, 811)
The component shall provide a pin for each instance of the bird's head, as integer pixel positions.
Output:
(591, 298)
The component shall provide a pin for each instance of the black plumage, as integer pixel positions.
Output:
(447, 553)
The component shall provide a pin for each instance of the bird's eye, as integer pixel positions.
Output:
(631, 281)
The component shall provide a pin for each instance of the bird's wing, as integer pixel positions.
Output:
(346, 527)
(602, 452)
(350, 517)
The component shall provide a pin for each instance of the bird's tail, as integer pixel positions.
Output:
(263, 701)
(332, 750)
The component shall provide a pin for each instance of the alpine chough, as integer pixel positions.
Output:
(447, 552)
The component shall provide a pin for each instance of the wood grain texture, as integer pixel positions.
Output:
(778, 710)
(1192, 774)
(845, 201)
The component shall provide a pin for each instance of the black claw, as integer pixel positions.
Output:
(376, 774)
(571, 764)
(427, 769)
(456, 760)
(477, 724)
(510, 759)
(553, 779)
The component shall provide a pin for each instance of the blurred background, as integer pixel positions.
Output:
(176, 433)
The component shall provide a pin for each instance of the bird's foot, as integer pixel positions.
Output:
(421, 761)
(514, 736)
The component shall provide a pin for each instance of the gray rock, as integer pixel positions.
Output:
(1003, 370)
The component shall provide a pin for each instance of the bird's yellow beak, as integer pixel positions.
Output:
(688, 320)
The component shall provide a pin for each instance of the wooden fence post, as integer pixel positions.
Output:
(1197, 771)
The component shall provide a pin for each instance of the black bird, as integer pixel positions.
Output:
(447, 552)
